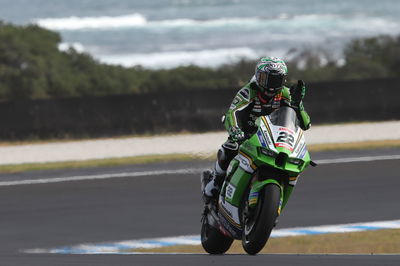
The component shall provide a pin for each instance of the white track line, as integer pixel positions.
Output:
(359, 159)
(173, 172)
(103, 176)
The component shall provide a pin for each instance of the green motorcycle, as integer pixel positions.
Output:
(258, 185)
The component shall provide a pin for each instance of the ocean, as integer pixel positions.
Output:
(169, 33)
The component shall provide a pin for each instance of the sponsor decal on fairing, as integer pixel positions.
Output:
(231, 212)
(230, 191)
(285, 137)
(261, 138)
(245, 163)
(267, 136)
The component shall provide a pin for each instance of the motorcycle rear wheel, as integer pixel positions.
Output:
(257, 230)
(213, 241)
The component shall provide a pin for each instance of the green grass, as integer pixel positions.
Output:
(98, 163)
(368, 242)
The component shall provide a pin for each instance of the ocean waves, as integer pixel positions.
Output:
(135, 39)
(285, 22)
(83, 23)
(203, 58)
(138, 21)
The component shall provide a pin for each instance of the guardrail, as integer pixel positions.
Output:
(198, 111)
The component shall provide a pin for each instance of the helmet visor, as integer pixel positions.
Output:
(274, 81)
(270, 81)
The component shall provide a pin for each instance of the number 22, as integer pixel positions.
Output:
(285, 137)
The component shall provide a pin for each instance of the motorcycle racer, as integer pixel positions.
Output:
(264, 93)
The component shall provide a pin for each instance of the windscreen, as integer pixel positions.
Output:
(285, 117)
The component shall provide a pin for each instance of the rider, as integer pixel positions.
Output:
(261, 96)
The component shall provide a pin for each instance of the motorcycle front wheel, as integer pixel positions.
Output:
(258, 227)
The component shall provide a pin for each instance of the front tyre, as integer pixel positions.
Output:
(258, 227)
(213, 241)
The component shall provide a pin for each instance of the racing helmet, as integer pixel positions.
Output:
(270, 75)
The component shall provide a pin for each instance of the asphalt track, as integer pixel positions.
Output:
(67, 213)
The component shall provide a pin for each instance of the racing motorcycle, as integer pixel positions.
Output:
(258, 185)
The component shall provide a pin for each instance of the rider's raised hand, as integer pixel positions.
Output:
(298, 92)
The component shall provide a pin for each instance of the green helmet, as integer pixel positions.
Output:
(270, 74)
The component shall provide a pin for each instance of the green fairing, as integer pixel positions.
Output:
(261, 159)
(241, 179)
(286, 195)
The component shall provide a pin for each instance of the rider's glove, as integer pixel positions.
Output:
(236, 134)
(297, 94)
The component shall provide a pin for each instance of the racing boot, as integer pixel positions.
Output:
(213, 180)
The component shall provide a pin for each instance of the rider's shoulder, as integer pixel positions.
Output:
(248, 91)
(286, 92)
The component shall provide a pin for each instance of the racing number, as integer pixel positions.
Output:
(230, 190)
(286, 138)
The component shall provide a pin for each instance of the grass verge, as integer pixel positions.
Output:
(179, 157)
(367, 242)
(16, 168)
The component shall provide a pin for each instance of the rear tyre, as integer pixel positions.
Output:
(213, 241)
(257, 229)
